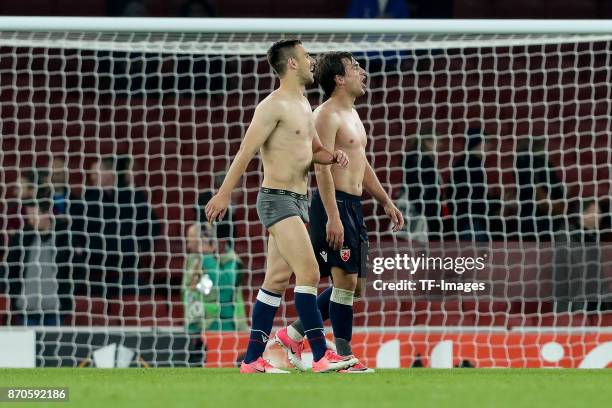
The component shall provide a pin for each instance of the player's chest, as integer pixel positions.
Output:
(351, 134)
(296, 126)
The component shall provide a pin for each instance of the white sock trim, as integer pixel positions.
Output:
(316, 328)
(309, 290)
(268, 299)
(342, 296)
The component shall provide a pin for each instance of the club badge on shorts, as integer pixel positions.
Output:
(345, 254)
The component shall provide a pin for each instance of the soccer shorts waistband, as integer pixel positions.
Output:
(284, 193)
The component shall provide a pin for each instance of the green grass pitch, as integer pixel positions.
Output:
(226, 388)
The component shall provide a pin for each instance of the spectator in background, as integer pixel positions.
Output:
(378, 9)
(115, 224)
(387, 60)
(195, 290)
(197, 8)
(423, 186)
(25, 188)
(540, 192)
(209, 283)
(578, 284)
(467, 191)
(28, 183)
(60, 187)
(13, 211)
(211, 299)
(39, 265)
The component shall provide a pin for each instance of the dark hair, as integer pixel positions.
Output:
(42, 201)
(278, 54)
(327, 67)
(109, 162)
(121, 165)
(36, 177)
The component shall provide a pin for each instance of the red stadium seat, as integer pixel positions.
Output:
(486, 313)
(139, 310)
(5, 309)
(577, 319)
(447, 313)
(91, 312)
(601, 319)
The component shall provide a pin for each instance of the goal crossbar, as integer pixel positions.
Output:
(304, 26)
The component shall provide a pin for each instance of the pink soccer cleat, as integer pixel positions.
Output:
(260, 366)
(358, 368)
(293, 348)
(333, 362)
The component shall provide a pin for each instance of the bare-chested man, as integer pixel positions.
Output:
(283, 130)
(337, 228)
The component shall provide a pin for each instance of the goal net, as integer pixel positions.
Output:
(126, 134)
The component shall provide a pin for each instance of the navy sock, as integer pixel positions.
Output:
(262, 319)
(341, 316)
(323, 304)
(306, 305)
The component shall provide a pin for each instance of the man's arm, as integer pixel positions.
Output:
(373, 186)
(264, 121)
(326, 126)
(322, 153)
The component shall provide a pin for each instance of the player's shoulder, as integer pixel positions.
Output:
(270, 100)
(327, 112)
(271, 105)
(275, 101)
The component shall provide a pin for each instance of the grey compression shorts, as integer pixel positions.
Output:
(275, 205)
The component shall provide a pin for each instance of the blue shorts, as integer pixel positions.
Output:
(353, 257)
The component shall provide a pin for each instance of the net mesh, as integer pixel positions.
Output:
(170, 110)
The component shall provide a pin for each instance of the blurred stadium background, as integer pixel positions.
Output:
(171, 121)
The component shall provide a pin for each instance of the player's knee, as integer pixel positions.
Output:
(275, 287)
(343, 280)
(308, 273)
(276, 283)
(360, 288)
(348, 283)
(308, 276)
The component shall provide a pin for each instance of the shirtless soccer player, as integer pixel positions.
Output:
(337, 228)
(283, 130)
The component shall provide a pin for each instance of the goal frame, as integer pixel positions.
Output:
(305, 26)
